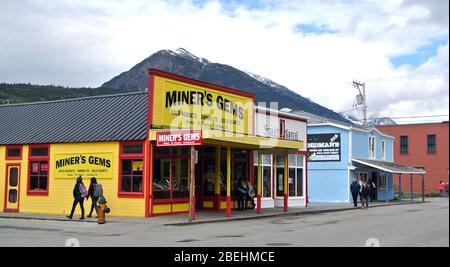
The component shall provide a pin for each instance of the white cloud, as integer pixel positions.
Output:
(85, 43)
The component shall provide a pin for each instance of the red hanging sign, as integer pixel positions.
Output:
(44, 167)
(179, 138)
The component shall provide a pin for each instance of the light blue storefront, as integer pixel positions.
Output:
(330, 172)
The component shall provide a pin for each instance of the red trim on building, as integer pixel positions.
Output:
(151, 96)
(199, 83)
(39, 159)
(13, 147)
(136, 157)
(148, 169)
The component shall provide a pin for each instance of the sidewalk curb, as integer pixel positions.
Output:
(288, 214)
(43, 219)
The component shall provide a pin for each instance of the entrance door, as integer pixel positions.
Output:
(12, 192)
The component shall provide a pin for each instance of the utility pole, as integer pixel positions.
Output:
(361, 98)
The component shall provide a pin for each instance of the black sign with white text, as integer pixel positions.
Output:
(324, 147)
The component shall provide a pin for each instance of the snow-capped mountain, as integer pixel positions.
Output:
(186, 64)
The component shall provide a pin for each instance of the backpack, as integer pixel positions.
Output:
(83, 191)
(98, 190)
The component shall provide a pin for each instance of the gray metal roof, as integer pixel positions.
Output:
(92, 119)
(390, 167)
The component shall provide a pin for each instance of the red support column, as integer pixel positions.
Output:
(286, 183)
(259, 189)
(228, 182)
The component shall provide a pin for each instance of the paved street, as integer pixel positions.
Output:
(404, 225)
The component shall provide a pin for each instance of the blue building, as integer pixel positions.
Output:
(340, 153)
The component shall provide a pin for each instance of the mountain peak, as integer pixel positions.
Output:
(184, 63)
(188, 55)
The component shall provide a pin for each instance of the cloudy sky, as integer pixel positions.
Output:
(399, 48)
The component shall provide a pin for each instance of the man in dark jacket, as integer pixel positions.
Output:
(77, 198)
(354, 189)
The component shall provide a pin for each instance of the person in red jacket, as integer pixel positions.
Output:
(442, 188)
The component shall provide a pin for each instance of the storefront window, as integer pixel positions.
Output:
(266, 172)
(132, 169)
(295, 178)
(38, 175)
(171, 173)
(299, 182)
(180, 178)
(161, 178)
(208, 170)
(131, 179)
(38, 170)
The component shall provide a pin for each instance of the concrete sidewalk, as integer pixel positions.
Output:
(211, 216)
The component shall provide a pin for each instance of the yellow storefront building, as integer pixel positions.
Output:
(184, 145)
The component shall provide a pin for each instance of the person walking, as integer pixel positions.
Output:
(242, 192)
(94, 194)
(354, 189)
(365, 196)
(372, 190)
(79, 193)
(441, 188)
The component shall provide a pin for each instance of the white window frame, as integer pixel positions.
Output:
(383, 149)
(295, 178)
(262, 168)
(372, 154)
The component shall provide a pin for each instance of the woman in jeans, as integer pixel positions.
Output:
(93, 198)
(365, 192)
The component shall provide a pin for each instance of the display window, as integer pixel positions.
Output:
(131, 169)
(171, 168)
(38, 172)
(295, 175)
(266, 175)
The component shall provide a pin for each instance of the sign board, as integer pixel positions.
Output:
(179, 138)
(324, 147)
(70, 166)
(138, 166)
(181, 105)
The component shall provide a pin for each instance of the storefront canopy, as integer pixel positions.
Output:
(389, 167)
(241, 141)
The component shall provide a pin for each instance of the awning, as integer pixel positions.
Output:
(389, 167)
(241, 141)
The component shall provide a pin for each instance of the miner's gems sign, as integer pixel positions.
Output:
(70, 166)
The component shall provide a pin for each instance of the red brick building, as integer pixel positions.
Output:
(423, 146)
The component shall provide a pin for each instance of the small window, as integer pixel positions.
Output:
(14, 153)
(383, 181)
(38, 176)
(13, 177)
(403, 144)
(431, 144)
(383, 149)
(39, 152)
(132, 149)
(131, 181)
(371, 147)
